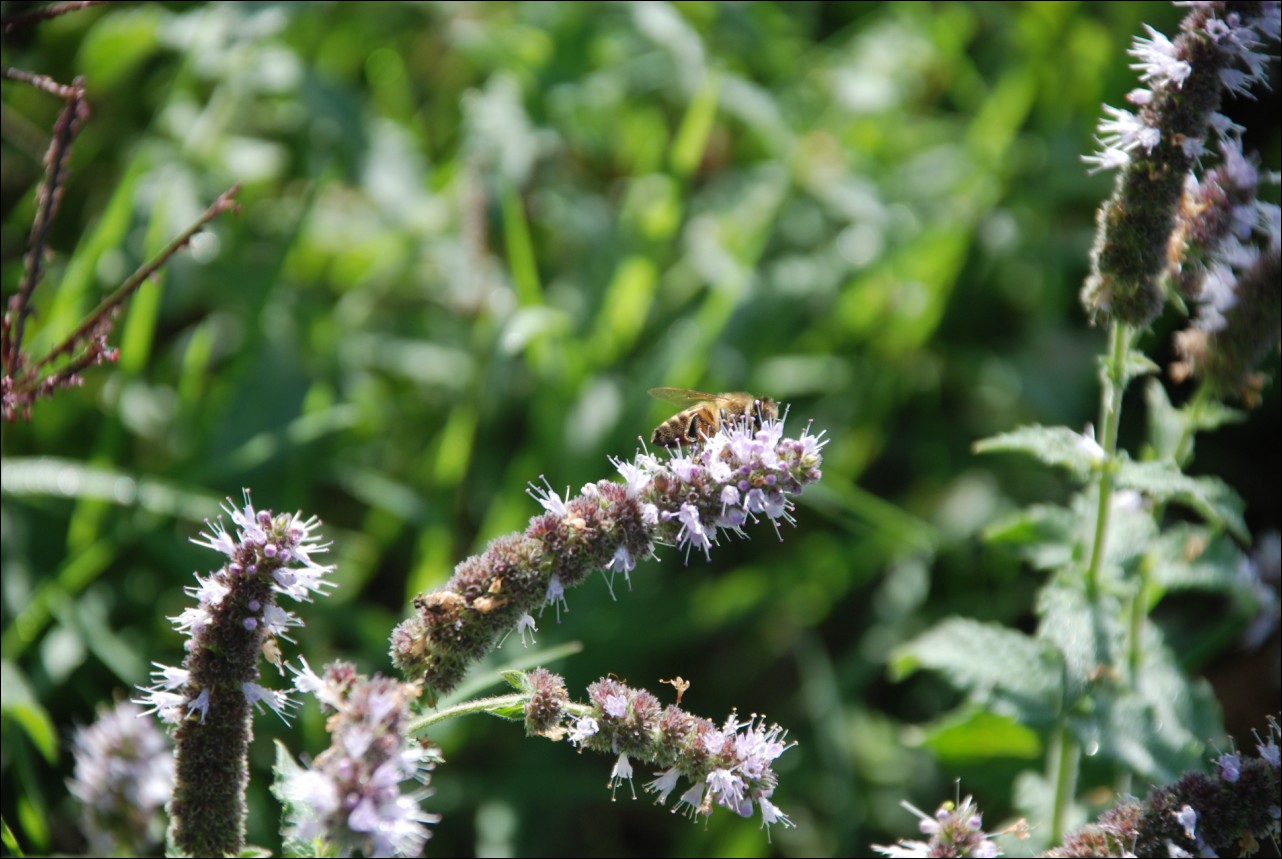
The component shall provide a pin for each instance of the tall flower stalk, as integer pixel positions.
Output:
(1143, 238)
(1097, 678)
(208, 701)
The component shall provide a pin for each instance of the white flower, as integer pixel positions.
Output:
(1158, 61)
(274, 700)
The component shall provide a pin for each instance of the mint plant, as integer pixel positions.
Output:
(1184, 229)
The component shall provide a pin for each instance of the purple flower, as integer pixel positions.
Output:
(235, 623)
(740, 474)
(353, 797)
(124, 775)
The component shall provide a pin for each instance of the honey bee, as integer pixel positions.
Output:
(704, 414)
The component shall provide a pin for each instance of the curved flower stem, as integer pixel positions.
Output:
(495, 705)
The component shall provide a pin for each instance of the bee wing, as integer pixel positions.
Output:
(682, 396)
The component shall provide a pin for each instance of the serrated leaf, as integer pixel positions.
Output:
(996, 667)
(1186, 711)
(1154, 730)
(1166, 424)
(1137, 364)
(1088, 635)
(1163, 481)
(1115, 726)
(515, 679)
(980, 735)
(1211, 415)
(1043, 533)
(1190, 557)
(1058, 446)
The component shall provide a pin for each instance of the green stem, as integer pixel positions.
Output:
(495, 705)
(1114, 385)
(1138, 614)
(1064, 776)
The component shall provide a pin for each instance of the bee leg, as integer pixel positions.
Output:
(694, 433)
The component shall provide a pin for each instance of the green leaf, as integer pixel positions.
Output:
(1190, 557)
(9, 840)
(1210, 415)
(1043, 533)
(692, 137)
(505, 709)
(997, 667)
(1169, 427)
(1137, 364)
(1207, 414)
(1115, 725)
(20, 705)
(515, 679)
(977, 735)
(1154, 730)
(1185, 710)
(1214, 499)
(119, 44)
(1166, 424)
(1087, 634)
(1058, 446)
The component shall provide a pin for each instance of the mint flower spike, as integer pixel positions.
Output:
(742, 475)
(728, 766)
(1225, 256)
(956, 829)
(1226, 812)
(351, 796)
(1154, 148)
(207, 702)
(124, 775)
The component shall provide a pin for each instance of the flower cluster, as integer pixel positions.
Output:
(351, 797)
(1228, 812)
(1224, 255)
(1219, 216)
(1235, 329)
(954, 830)
(545, 707)
(208, 700)
(743, 474)
(1158, 144)
(727, 766)
(124, 776)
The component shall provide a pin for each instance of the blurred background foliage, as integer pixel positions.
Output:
(472, 236)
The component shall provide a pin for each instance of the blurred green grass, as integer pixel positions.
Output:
(472, 236)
